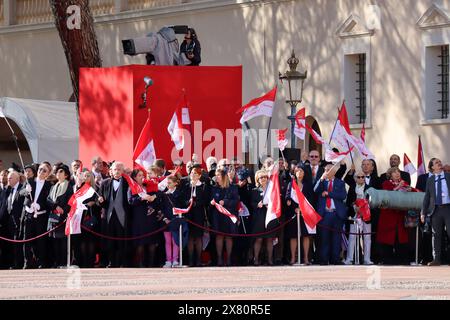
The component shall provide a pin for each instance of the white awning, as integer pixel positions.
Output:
(50, 127)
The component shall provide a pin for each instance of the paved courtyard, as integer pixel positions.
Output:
(294, 282)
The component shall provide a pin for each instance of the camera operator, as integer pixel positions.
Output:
(191, 47)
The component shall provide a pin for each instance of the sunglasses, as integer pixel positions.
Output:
(42, 170)
(313, 156)
(360, 177)
(263, 177)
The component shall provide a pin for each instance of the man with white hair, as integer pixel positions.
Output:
(12, 217)
(114, 199)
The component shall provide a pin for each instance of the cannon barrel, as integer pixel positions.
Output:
(394, 199)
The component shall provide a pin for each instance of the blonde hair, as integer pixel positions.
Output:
(223, 175)
(258, 174)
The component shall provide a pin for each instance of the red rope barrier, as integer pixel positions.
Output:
(142, 236)
(34, 238)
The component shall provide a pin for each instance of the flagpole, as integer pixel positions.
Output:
(247, 141)
(14, 137)
(268, 132)
(334, 128)
(243, 224)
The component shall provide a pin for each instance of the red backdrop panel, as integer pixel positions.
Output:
(110, 120)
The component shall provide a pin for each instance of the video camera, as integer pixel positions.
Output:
(163, 45)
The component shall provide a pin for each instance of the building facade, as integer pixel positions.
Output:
(388, 59)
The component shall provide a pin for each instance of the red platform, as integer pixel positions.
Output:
(111, 121)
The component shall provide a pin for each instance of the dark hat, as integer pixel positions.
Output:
(242, 174)
(33, 168)
(65, 168)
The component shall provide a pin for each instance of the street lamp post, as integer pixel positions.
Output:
(294, 85)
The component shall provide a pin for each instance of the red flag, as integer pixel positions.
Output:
(363, 133)
(343, 118)
(135, 188)
(224, 211)
(407, 165)
(180, 121)
(300, 123)
(363, 209)
(420, 160)
(144, 152)
(262, 106)
(310, 215)
(282, 141)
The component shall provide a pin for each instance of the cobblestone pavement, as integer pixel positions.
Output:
(293, 282)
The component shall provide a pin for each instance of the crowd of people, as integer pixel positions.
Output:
(35, 202)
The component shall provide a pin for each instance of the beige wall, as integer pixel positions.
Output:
(260, 35)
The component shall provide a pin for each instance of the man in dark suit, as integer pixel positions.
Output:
(436, 205)
(35, 215)
(425, 239)
(12, 218)
(394, 161)
(114, 199)
(332, 208)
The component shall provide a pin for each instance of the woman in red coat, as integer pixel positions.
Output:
(392, 236)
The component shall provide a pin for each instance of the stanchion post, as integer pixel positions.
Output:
(357, 242)
(68, 250)
(299, 234)
(416, 262)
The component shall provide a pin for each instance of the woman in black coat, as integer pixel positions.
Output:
(259, 212)
(199, 192)
(227, 196)
(143, 221)
(291, 231)
(58, 203)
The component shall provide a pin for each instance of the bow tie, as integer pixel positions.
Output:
(368, 177)
(118, 180)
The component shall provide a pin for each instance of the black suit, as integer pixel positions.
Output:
(422, 181)
(440, 214)
(12, 219)
(34, 226)
(117, 249)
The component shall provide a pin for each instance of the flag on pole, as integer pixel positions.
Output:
(343, 137)
(330, 155)
(175, 129)
(224, 211)
(182, 211)
(282, 141)
(135, 188)
(272, 196)
(144, 152)
(300, 123)
(363, 133)
(73, 222)
(420, 160)
(310, 216)
(262, 106)
(407, 165)
(243, 210)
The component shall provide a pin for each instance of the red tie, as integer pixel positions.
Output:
(330, 188)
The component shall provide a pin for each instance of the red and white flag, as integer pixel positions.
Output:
(243, 210)
(181, 211)
(180, 120)
(343, 137)
(330, 155)
(262, 106)
(135, 188)
(73, 222)
(272, 196)
(144, 152)
(363, 133)
(224, 211)
(407, 165)
(310, 216)
(300, 123)
(420, 160)
(282, 141)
